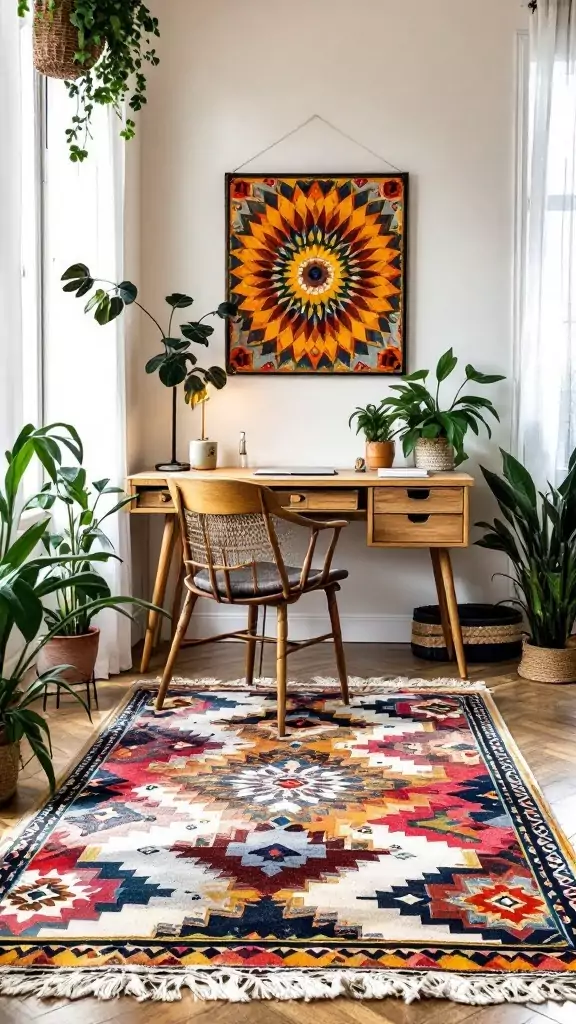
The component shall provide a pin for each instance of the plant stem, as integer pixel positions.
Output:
(203, 421)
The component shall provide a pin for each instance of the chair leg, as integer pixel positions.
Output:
(174, 649)
(251, 644)
(281, 657)
(338, 645)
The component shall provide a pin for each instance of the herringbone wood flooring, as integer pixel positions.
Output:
(542, 720)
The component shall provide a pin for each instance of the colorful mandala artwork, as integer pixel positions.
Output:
(396, 834)
(317, 267)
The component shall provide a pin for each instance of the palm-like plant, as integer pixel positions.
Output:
(420, 411)
(375, 422)
(539, 538)
(84, 592)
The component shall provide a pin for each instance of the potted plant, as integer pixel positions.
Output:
(435, 432)
(23, 587)
(376, 422)
(176, 364)
(100, 48)
(82, 592)
(539, 538)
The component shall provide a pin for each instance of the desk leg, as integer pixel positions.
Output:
(170, 525)
(452, 605)
(444, 617)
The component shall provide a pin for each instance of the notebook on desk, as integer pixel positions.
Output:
(296, 471)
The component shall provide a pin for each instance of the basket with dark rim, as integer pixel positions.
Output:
(491, 632)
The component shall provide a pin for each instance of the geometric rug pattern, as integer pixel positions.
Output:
(400, 832)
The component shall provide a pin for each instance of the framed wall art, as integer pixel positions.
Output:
(317, 266)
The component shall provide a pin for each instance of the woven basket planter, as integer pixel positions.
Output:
(9, 768)
(548, 664)
(56, 42)
(434, 453)
(490, 633)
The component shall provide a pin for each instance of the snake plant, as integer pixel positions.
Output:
(539, 538)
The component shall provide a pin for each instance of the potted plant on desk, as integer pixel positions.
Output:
(82, 593)
(539, 538)
(376, 422)
(436, 432)
(176, 364)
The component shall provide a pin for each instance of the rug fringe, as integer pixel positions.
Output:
(357, 684)
(238, 986)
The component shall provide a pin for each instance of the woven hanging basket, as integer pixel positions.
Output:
(491, 633)
(434, 453)
(9, 767)
(548, 664)
(56, 42)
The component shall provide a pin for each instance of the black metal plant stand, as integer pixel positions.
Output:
(173, 466)
(88, 683)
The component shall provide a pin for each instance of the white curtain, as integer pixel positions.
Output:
(10, 227)
(546, 364)
(83, 362)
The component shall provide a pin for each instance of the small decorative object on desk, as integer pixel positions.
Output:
(203, 451)
(360, 466)
(176, 364)
(436, 435)
(540, 542)
(377, 426)
(242, 450)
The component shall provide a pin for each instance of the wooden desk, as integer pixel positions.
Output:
(399, 512)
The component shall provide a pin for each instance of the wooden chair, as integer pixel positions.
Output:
(233, 555)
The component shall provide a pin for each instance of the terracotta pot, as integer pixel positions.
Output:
(548, 664)
(78, 651)
(56, 42)
(379, 454)
(434, 453)
(9, 768)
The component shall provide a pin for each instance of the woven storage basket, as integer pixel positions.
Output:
(548, 664)
(434, 454)
(56, 42)
(491, 632)
(9, 767)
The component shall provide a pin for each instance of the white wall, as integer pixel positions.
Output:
(429, 85)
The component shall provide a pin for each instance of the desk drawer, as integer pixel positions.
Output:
(418, 499)
(418, 528)
(155, 498)
(328, 500)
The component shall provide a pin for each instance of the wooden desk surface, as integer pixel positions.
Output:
(345, 478)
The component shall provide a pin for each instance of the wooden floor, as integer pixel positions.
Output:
(542, 720)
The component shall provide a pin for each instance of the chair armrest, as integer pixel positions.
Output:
(311, 524)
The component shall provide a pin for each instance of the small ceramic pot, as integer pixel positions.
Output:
(80, 652)
(379, 454)
(203, 454)
(434, 453)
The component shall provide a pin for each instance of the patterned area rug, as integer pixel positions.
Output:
(396, 846)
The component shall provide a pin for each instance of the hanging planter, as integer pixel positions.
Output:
(56, 43)
(99, 48)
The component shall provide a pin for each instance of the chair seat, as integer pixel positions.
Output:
(269, 584)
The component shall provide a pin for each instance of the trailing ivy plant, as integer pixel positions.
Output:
(422, 414)
(125, 28)
(176, 364)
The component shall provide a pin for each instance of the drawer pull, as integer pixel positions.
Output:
(418, 493)
(418, 519)
(296, 499)
(165, 497)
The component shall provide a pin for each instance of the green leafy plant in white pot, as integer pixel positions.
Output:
(433, 430)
